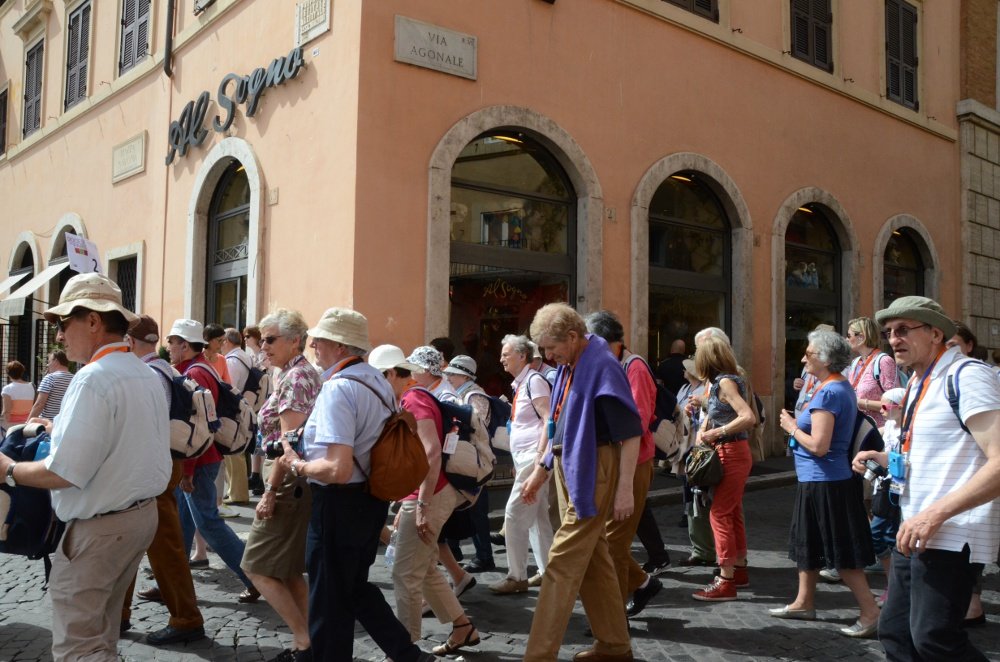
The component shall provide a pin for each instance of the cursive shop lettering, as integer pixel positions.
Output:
(188, 130)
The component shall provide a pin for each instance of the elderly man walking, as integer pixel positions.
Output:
(110, 457)
(593, 448)
(947, 468)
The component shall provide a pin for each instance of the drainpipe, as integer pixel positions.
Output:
(168, 46)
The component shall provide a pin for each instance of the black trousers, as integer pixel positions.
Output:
(341, 546)
(649, 535)
(928, 596)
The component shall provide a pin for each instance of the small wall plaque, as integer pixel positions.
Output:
(433, 47)
(312, 18)
(128, 158)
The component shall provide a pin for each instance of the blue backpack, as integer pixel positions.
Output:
(30, 526)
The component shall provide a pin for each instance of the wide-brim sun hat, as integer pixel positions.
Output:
(93, 292)
(689, 367)
(384, 357)
(190, 331)
(343, 325)
(463, 366)
(920, 309)
(428, 358)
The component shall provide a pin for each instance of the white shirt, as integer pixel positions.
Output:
(238, 362)
(112, 438)
(525, 423)
(943, 457)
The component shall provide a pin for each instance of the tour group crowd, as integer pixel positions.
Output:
(582, 414)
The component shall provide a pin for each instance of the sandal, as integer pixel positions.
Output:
(448, 647)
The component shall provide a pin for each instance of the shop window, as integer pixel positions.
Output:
(690, 282)
(903, 266)
(3, 122)
(228, 242)
(811, 32)
(126, 273)
(33, 88)
(77, 55)
(134, 42)
(707, 8)
(812, 285)
(901, 53)
(513, 244)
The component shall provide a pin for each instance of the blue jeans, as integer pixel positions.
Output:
(929, 594)
(884, 535)
(199, 510)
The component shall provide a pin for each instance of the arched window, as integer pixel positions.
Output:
(228, 248)
(690, 262)
(15, 339)
(903, 266)
(812, 285)
(513, 244)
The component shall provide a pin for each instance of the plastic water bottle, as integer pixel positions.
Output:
(390, 550)
(42, 450)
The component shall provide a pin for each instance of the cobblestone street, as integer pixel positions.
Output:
(673, 627)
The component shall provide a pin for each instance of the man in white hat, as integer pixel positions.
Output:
(336, 445)
(947, 468)
(110, 457)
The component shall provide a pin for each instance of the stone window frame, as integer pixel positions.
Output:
(114, 255)
(928, 253)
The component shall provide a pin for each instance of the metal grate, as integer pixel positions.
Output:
(127, 276)
(45, 342)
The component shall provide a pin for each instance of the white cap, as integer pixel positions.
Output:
(189, 330)
(384, 357)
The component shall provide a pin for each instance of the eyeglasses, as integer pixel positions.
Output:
(901, 331)
(854, 334)
(269, 340)
(63, 322)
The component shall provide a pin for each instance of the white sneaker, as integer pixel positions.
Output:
(830, 575)
(227, 512)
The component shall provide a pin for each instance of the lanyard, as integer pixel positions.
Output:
(834, 377)
(109, 349)
(911, 412)
(860, 373)
(562, 397)
(344, 364)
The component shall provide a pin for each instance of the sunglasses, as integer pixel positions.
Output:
(63, 322)
(901, 331)
(269, 340)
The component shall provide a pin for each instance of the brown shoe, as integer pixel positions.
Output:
(509, 586)
(152, 594)
(250, 595)
(590, 655)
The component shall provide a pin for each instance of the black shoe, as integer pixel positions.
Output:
(286, 655)
(256, 484)
(683, 522)
(304, 655)
(656, 566)
(125, 626)
(642, 596)
(478, 565)
(498, 539)
(170, 635)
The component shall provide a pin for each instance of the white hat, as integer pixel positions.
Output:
(463, 366)
(90, 291)
(428, 359)
(188, 330)
(384, 357)
(343, 325)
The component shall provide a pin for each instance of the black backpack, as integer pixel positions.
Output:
(30, 526)
(666, 402)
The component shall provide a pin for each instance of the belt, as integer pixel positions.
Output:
(557, 450)
(138, 504)
(336, 487)
(730, 439)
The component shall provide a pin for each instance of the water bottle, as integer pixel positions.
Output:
(42, 450)
(390, 550)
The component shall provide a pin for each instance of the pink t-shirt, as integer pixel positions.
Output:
(640, 380)
(421, 404)
(526, 425)
(866, 387)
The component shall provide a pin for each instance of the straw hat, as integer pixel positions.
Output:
(345, 326)
(93, 292)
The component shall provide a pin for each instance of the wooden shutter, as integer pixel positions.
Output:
(901, 53)
(707, 8)
(142, 30)
(77, 58)
(3, 121)
(33, 89)
(126, 58)
(811, 28)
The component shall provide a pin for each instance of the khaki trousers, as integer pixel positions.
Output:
(169, 562)
(91, 570)
(580, 564)
(620, 535)
(415, 576)
(236, 476)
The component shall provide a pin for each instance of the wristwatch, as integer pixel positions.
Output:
(268, 487)
(10, 474)
(295, 467)
(544, 466)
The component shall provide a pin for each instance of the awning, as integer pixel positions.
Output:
(14, 304)
(5, 285)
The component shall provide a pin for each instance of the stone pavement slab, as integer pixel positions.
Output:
(673, 627)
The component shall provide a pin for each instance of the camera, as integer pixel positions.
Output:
(274, 449)
(874, 470)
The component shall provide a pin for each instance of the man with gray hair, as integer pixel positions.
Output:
(946, 469)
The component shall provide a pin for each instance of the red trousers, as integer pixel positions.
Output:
(726, 514)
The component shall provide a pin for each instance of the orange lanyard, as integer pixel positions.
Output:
(107, 350)
(860, 373)
(344, 364)
(834, 377)
(909, 414)
(562, 398)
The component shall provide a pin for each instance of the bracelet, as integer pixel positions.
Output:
(421, 504)
(792, 433)
(295, 467)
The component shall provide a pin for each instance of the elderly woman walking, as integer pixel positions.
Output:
(275, 553)
(829, 524)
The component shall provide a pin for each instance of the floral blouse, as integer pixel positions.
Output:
(296, 390)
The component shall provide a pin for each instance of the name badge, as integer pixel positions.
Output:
(450, 443)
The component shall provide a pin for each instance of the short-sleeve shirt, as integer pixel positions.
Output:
(613, 422)
(525, 423)
(55, 384)
(22, 396)
(943, 457)
(421, 404)
(349, 414)
(836, 397)
(868, 388)
(112, 438)
(238, 363)
(640, 381)
(296, 390)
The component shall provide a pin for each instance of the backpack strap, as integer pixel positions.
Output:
(527, 388)
(205, 366)
(953, 392)
(378, 396)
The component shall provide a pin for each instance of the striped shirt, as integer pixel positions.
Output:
(943, 457)
(55, 384)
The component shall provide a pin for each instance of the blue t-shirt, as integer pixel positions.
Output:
(839, 399)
